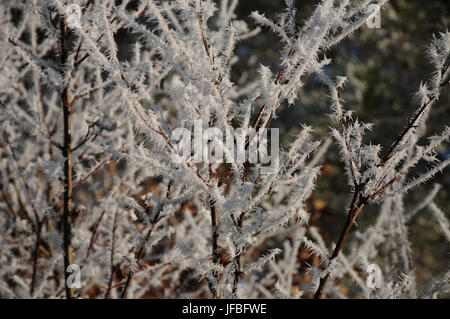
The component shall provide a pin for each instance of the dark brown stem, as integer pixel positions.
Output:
(238, 258)
(67, 153)
(36, 256)
(94, 235)
(111, 277)
(412, 123)
(216, 257)
(354, 210)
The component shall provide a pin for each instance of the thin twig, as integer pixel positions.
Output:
(216, 257)
(36, 256)
(67, 153)
(353, 212)
(111, 277)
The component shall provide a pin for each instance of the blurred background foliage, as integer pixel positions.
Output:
(385, 67)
